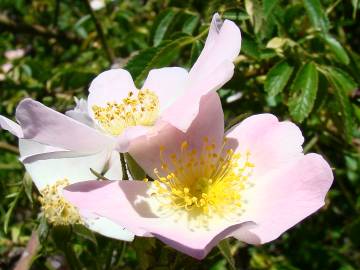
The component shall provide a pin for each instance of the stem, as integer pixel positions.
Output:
(56, 13)
(28, 255)
(234, 121)
(119, 258)
(310, 144)
(122, 252)
(109, 257)
(61, 236)
(123, 167)
(98, 175)
(109, 53)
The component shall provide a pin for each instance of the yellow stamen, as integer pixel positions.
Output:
(202, 184)
(55, 208)
(141, 109)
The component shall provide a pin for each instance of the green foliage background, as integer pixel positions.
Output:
(299, 60)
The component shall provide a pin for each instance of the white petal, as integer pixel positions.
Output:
(109, 86)
(80, 113)
(106, 227)
(168, 83)
(115, 171)
(75, 169)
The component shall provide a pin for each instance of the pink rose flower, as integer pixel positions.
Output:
(253, 183)
(117, 112)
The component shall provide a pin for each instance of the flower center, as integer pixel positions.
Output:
(204, 184)
(55, 208)
(136, 109)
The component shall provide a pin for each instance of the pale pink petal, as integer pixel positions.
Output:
(129, 135)
(270, 142)
(109, 86)
(47, 126)
(168, 83)
(211, 71)
(209, 123)
(11, 126)
(222, 45)
(284, 197)
(248, 131)
(114, 200)
(122, 203)
(182, 118)
(58, 167)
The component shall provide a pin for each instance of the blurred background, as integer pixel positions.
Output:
(299, 60)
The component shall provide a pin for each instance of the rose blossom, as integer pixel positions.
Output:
(253, 183)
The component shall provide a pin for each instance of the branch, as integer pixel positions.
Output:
(29, 253)
(8, 24)
(109, 53)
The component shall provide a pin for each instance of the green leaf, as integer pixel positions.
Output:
(277, 78)
(161, 25)
(337, 49)
(235, 15)
(249, 47)
(28, 184)
(317, 15)
(43, 228)
(12, 206)
(355, 4)
(225, 249)
(190, 23)
(303, 92)
(84, 232)
(136, 64)
(79, 26)
(255, 11)
(268, 6)
(343, 84)
(144, 248)
(236, 120)
(159, 57)
(135, 170)
(343, 79)
(195, 51)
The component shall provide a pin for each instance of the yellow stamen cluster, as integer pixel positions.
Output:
(202, 184)
(55, 208)
(136, 109)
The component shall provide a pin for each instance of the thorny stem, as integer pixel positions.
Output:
(109, 53)
(123, 167)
